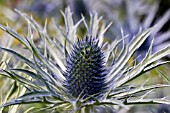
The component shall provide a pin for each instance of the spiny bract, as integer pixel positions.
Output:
(71, 74)
(86, 70)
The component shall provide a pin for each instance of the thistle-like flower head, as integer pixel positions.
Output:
(86, 70)
(85, 75)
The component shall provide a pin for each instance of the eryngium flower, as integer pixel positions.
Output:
(57, 73)
(86, 70)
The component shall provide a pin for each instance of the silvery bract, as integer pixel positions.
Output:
(81, 75)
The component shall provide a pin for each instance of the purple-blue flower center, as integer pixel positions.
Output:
(86, 70)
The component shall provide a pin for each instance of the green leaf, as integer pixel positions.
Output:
(159, 54)
(8, 95)
(33, 47)
(21, 79)
(147, 61)
(130, 92)
(119, 62)
(15, 35)
(30, 109)
(138, 40)
(106, 102)
(34, 94)
(126, 55)
(46, 82)
(1, 63)
(20, 57)
(17, 102)
(31, 64)
(147, 101)
(31, 74)
(164, 76)
(154, 65)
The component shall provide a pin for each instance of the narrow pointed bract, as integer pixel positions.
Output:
(81, 75)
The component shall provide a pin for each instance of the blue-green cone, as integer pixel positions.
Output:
(86, 70)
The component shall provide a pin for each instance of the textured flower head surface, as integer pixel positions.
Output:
(86, 70)
(81, 75)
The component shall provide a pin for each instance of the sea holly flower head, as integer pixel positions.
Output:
(86, 70)
(81, 75)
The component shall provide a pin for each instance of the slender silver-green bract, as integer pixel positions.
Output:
(81, 75)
